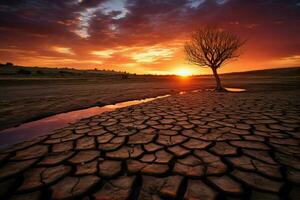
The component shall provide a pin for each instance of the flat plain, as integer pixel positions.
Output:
(27, 98)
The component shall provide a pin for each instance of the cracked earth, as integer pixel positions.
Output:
(198, 145)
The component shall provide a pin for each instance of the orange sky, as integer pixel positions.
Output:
(141, 36)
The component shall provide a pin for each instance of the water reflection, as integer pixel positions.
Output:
(229, 90)
(47, 125)
(235, 89)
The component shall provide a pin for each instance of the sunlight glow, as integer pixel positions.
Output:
(183, 72)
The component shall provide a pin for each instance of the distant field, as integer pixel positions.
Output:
(27, 97)
(11, 70)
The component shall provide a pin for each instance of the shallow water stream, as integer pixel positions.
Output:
(47, 125)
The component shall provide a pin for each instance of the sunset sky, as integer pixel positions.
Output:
(144, 36)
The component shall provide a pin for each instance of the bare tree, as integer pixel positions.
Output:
(212, 47)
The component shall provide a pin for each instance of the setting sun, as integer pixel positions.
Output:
(183, 72)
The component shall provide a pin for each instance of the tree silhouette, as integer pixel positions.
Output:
(212, 47)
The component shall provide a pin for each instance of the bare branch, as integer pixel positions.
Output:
(212, 47)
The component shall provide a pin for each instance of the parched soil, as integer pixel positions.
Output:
(23, 100)
(29, 98)
(195, 145)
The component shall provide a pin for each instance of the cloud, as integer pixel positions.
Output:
(221, 2)
(115, 7)
(140, 35)
(63, 50)
(289, 61)
(84, 22)
(67, 62)
(152, 55)
(104, 53)
(138, 54)
(195, 3)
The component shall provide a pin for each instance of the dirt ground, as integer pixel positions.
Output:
(194, 145)
(27, 99)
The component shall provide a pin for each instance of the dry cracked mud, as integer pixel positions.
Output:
(201, 145)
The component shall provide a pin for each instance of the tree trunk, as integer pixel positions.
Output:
(218, 81)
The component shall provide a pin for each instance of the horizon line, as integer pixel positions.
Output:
(223, 73)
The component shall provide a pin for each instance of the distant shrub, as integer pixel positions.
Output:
(9, 64)
(62, 72)
(23, 72)
(124, 76)
(39, 72)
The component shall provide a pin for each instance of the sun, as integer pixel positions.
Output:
(183, 72)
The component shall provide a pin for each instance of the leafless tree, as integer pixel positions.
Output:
(213, 47)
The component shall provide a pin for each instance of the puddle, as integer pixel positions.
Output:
(182, 92)
(47, 125)
(235, 89)
(229, 89)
